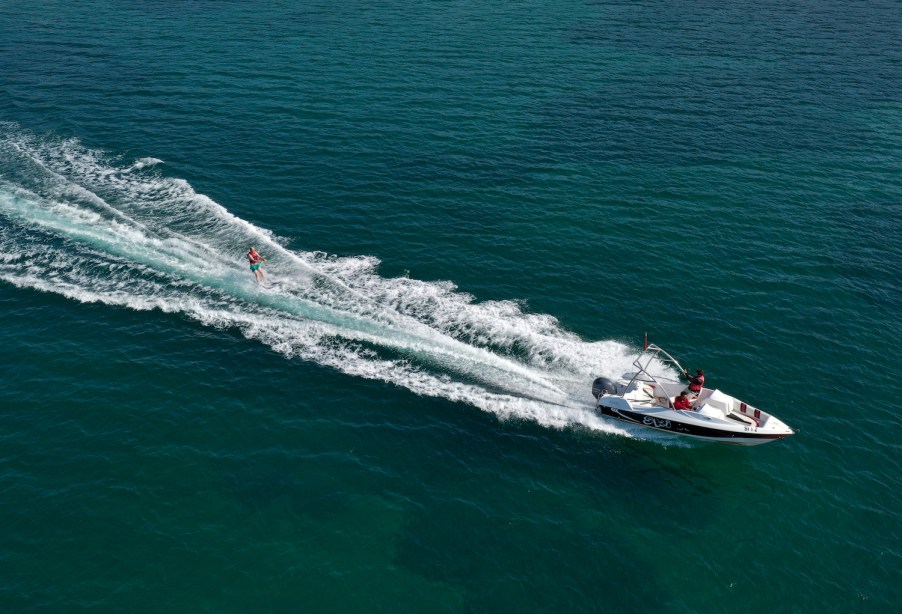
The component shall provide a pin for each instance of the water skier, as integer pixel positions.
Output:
(256, 261)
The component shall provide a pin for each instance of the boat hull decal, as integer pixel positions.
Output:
(693, 430)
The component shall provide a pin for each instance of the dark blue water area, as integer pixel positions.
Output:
(725, 177)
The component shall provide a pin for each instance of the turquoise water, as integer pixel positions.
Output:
(471, 211)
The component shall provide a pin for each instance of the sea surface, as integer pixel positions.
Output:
(469, 210)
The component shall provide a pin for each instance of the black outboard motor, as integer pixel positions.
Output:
(603, 385)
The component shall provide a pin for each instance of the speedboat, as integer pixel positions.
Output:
(648, 400)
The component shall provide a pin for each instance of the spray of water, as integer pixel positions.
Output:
(88, 226)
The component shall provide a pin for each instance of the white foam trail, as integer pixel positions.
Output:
(143, 163)
(79, 223)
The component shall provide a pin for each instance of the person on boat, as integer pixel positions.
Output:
(682, 401)
(696, 382)
(256, 261)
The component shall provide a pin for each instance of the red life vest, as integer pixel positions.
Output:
(679, 403)
(695, 385)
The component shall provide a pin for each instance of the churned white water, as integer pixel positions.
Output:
(96, 229)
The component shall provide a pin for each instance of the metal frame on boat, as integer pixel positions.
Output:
(646, 399)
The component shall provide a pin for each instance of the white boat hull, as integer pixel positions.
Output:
(695, 426)
(647, 400)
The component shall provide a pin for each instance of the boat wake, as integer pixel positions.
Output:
(95, 228)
